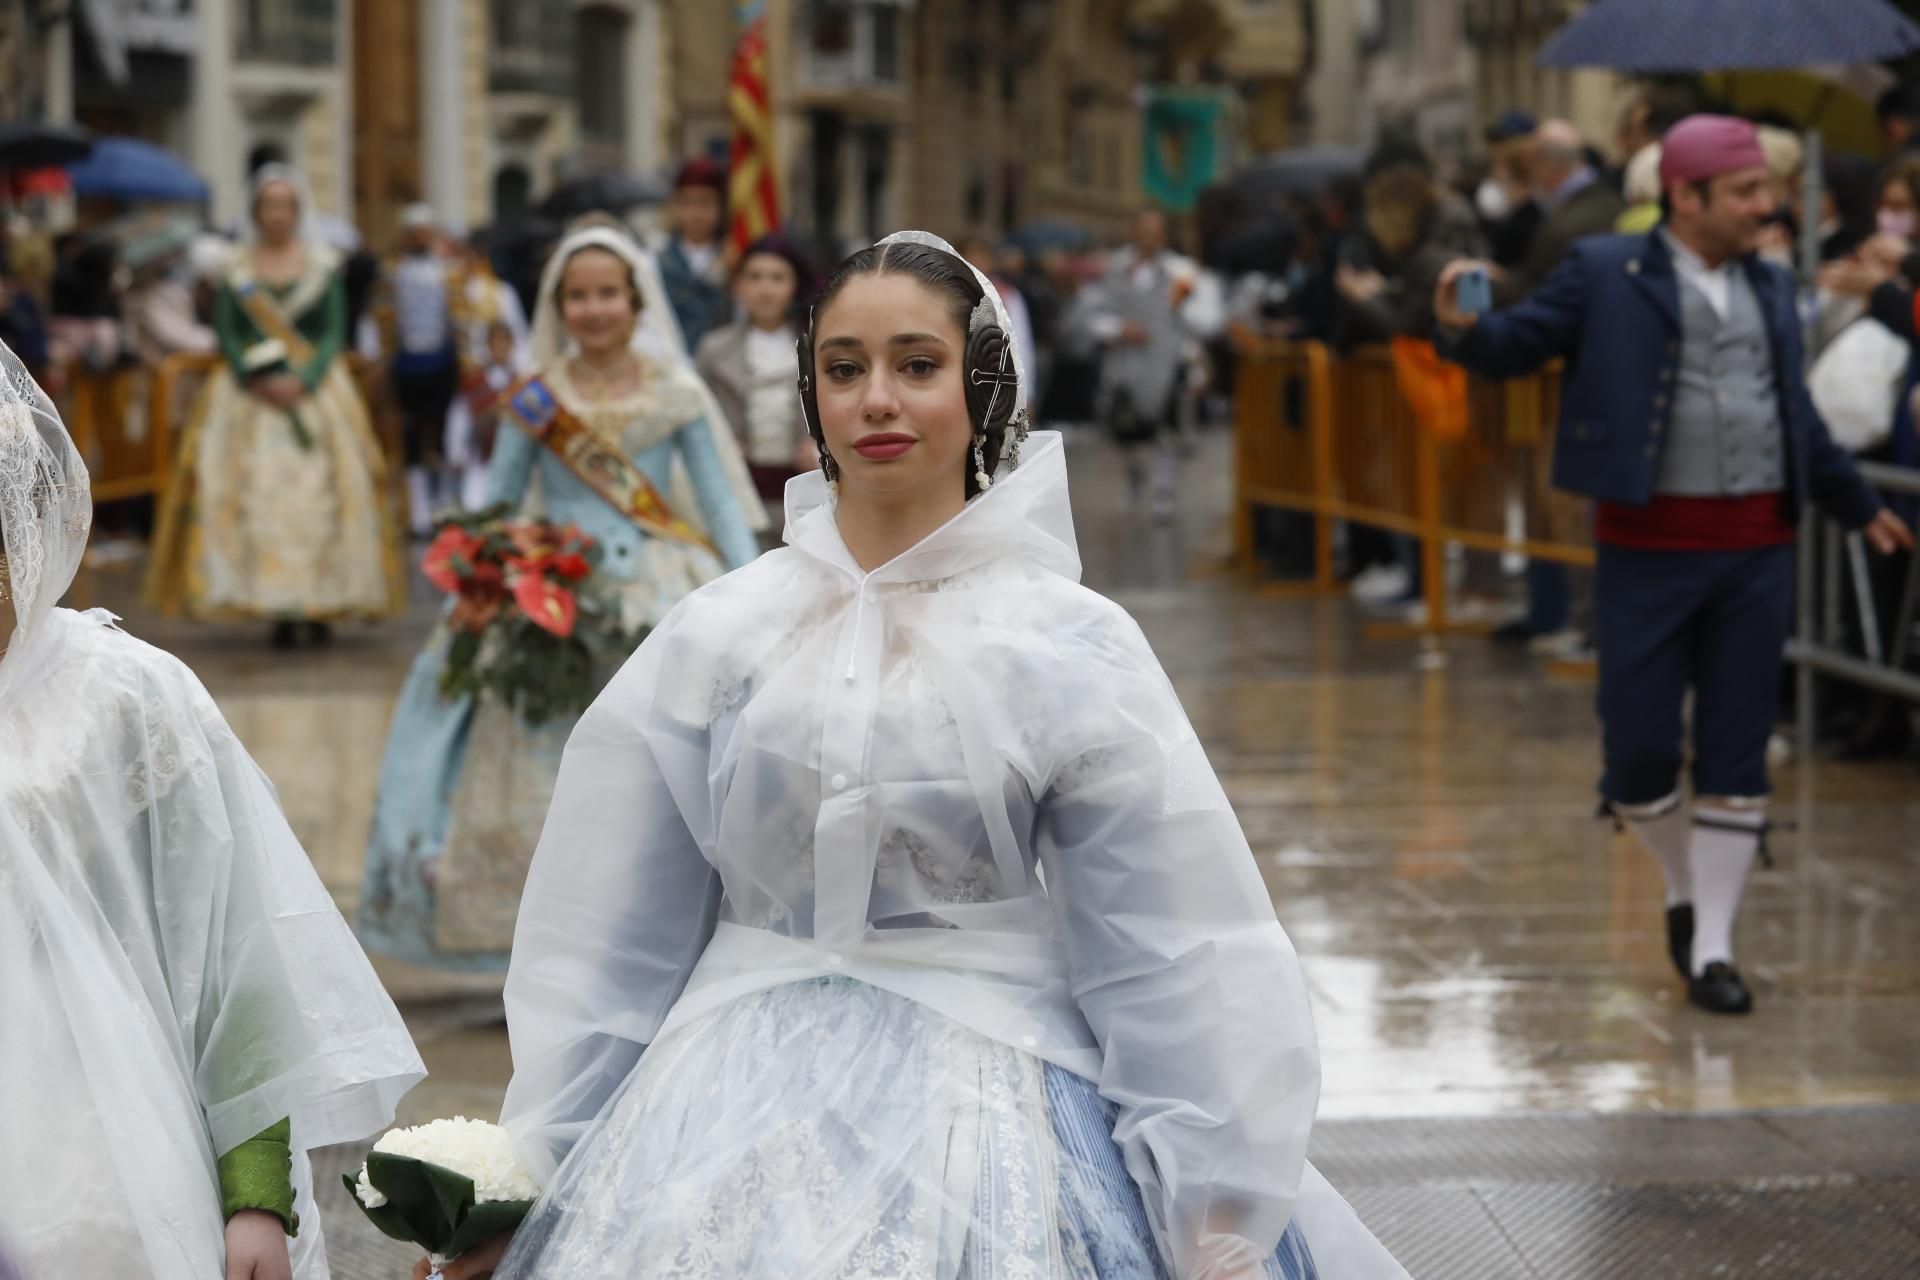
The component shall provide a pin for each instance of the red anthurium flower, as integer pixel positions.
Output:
(531, 566)
(549, 607)
(449, 558)
(571, 567)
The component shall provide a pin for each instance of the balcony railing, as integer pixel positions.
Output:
(296, 33)
(532, 47)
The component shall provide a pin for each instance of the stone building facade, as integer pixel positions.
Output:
(1441, 68)
(476, 106)
(962, 115)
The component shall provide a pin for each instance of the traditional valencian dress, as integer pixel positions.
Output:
(274, 513)
(465, 783)
(893, 924)
(183, 1012)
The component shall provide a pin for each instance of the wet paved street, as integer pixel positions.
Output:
(1514, 1084)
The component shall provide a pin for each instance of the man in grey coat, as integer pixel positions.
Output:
(1153, 309)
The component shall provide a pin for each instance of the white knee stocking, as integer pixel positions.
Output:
(1726, 839)
(1663, 829)
(420, 500)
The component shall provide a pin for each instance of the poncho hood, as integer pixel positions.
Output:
(1026, 515)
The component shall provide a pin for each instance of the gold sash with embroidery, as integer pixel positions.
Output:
(272, 321)
(609, 473)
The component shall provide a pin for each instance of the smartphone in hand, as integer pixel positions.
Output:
(1473, 292)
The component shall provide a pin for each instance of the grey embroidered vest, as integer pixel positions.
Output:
(1723, 439)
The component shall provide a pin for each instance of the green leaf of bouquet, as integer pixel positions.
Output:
(453, 1190)
(395, 1224)
(430, 1197)
(487, 1219)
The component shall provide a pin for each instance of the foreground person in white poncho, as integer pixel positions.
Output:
(889, 921)
(183, 1013)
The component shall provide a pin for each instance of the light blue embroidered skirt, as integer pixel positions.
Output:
(834, 1131)
(1113, 1220)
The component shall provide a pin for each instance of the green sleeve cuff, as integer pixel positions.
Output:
(258, 1174)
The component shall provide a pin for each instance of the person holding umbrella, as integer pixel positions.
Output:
(1685, 415)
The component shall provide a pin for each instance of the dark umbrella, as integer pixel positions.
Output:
(601, 193)
(28, 145)
(1304, 171)
(1649, 37)
(1048, 234)
(1262, 242)
(129, 169)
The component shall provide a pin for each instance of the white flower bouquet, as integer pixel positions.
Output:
(447, 1186)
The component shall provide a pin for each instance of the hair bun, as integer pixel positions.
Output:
(993, 385)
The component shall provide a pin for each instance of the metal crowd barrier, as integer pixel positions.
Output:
(127, 446)
(127, 421)
(1332, 436)
(1829, 557)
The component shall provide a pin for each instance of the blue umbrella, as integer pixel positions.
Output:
(1649, 37)
(129, 169)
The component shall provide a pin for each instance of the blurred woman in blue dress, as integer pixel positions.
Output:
(466, 782)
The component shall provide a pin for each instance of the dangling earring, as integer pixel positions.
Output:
(828, 468)
(980, 476)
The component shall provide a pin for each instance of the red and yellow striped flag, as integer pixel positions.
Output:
(753, 195)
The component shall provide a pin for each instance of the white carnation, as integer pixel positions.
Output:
(472, 1148)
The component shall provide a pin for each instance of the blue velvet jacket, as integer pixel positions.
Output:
(1611, 310)
(699, 303)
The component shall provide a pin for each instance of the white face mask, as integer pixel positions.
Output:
(1491, 199)
(1896, 222)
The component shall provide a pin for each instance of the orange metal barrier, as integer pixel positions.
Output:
(127, 421)
(1334, 437)
(127, 447)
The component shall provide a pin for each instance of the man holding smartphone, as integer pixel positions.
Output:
(1685, 416)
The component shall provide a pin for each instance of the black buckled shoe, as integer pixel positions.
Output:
(1720, 990)
(1680, 938)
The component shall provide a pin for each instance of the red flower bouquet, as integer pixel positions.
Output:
(529, 625)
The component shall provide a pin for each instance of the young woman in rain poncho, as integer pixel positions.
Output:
(183, 1012)
(889, 921)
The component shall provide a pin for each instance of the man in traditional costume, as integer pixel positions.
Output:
(693, 265)
(1685, 416)
(422, 291)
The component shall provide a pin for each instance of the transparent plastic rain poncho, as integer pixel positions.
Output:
(173, 976)
(834, 865)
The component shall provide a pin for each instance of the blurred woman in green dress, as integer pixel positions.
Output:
(278, 508)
